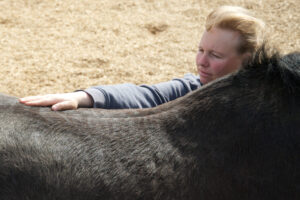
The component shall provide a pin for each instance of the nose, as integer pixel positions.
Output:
(202, 59)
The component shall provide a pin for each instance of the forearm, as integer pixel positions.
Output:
(121, 96)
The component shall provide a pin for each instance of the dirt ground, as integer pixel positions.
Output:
(53, 46)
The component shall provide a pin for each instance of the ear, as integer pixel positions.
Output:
(246, 57)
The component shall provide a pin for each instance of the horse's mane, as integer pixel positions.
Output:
(283, 68)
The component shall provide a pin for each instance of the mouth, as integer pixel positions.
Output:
(204, 74)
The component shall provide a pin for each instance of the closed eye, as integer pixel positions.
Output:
(216, 55)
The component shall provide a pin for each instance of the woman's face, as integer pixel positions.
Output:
(217, 55)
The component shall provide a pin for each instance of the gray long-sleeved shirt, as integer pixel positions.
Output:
(143, 96)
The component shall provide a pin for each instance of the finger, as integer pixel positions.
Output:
(65, 105)
(35, 98)
(30, 98)
(42, 102)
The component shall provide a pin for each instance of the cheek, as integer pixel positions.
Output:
(218, 66)
(223, 67)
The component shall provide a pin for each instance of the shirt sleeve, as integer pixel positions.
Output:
(127, 95)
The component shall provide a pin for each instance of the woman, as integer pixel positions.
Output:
(232, 35)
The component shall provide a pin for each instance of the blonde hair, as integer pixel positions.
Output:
(241, 20)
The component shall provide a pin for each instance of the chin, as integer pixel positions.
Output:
(204, 81)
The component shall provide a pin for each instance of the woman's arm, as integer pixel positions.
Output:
(118, 96)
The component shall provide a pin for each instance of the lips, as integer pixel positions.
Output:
(204, 74)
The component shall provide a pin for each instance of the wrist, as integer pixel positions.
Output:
(83, 99)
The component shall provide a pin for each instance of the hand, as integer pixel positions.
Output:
(65, 101)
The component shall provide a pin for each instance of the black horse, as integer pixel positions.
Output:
(235, 138)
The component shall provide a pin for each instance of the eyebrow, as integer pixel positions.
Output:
(212, 50)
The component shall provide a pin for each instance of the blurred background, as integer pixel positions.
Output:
(59, 46)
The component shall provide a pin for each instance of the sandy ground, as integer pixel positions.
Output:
(53, 46)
